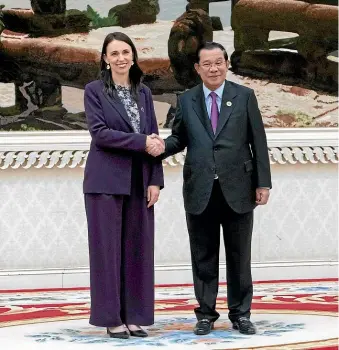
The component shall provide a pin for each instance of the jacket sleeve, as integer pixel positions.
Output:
(157, 174)
(258, 143)
(177, 141)
(102, 135)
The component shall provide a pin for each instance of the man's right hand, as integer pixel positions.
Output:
(155, 145)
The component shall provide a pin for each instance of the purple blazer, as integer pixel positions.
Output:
(114, 143)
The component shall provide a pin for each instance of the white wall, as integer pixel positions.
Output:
(43, 233)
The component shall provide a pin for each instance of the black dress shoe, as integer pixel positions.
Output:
(244, 325)
(120, 335)
(138, 333)
(203, 327)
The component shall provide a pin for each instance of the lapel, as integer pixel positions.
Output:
(227, 105)
(200, 109)
(119, 107)
(199, 106)
(142, 109)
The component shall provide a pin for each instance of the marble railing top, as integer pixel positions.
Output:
(80, 140)
(70, 148)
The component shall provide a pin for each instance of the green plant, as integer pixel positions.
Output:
(304, 119)
(25, 127)
(300, 119)
(97, 21)
(10, 111)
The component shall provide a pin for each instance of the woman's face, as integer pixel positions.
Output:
(119, 56)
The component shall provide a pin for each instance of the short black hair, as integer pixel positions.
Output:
(210, 45)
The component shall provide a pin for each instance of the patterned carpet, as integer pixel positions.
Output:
(288, 315)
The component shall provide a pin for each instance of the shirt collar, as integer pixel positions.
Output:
(219, 91)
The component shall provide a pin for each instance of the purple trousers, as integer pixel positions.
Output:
(121, 251)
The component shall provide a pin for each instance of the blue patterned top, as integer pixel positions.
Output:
(130, 105)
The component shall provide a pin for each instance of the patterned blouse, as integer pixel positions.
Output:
(131, 106)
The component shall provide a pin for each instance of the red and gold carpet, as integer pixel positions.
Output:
(289, 315)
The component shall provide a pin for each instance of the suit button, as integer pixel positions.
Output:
(216, 149)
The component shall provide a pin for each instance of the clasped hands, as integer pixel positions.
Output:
(155, 145)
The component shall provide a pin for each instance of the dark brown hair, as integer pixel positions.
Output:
(135, 72)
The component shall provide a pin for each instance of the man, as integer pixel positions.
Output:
(226, 174)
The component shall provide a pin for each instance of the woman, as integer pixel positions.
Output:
(121, 184)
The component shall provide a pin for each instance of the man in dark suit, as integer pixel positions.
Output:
(226, 175)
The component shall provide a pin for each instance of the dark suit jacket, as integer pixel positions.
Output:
(115, 145)
(237, 153)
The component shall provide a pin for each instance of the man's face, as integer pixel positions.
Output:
(212, 68)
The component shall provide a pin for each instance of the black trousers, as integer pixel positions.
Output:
(204, 235)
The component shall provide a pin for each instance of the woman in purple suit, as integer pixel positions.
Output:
(122, 182)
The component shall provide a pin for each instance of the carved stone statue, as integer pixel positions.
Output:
(49, 18)
(198, 4)
(315, 23)
(48, 6)
(187, 33)
(136, 12)
(204, 5)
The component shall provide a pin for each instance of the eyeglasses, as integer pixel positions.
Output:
(208, 65)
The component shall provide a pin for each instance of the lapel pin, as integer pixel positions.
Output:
(228, 103)
(142, 109)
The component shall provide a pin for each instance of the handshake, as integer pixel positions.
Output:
(155, 145)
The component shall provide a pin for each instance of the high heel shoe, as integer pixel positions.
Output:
(139, 333)
(120, 335)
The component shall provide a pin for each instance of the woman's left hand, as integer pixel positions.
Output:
(153, 193)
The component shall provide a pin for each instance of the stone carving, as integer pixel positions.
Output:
(38, 105)
(72, 159)
(188, 32)
(204, 5)
(36, 24)
(34, 65)
(198, 4)
(253, 20)
(48, 6)
(39, 68)
(216, 23)
(170, 117)
(136, 12)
